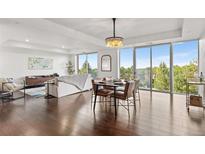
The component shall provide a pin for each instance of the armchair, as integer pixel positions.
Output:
(10, 86)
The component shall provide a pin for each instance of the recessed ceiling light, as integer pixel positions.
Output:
(63, 47)
(27, 40)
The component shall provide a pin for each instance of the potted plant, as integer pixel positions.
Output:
(70, 68)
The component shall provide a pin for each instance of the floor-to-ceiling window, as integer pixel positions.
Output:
(87, 63)
(92, 64)
(161, 67)
(82, 64)
(185, 64)
(126, 63)
(164, 67)
(142, 58)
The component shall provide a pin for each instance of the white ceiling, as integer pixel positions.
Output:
(77, 35)
(102, 28)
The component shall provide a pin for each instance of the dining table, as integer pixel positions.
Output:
(113, 86)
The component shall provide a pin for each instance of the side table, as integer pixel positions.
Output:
(48, 96)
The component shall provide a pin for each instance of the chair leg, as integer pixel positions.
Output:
(128, 105)
(134, 99)
(138, 92)
(106, 100)
(91, 99)
(95, 102)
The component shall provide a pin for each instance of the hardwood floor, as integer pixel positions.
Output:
(72, 115)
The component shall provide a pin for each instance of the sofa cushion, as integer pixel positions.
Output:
(1, 81)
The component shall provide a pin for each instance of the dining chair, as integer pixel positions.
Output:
(103, 93)
(127, 93)
(93, 81)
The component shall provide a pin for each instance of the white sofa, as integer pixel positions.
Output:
(67, 85)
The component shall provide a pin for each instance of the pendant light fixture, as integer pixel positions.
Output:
(114, 42)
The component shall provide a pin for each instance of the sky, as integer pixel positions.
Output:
(183, 53)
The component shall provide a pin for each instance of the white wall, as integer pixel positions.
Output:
(115, 63)
(14, 62)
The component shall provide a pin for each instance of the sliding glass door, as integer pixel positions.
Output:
(126, 63)
(142, 63)
(161, 68)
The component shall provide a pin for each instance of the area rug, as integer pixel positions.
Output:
(36, 92)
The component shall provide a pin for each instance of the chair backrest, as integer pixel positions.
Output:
(93, 84)
(129, 88)
(94, 87)
(109, 78)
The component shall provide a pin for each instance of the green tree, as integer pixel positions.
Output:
(181, 74)
(161, 77)
(126, 73)
(70, 68)
(86, 68)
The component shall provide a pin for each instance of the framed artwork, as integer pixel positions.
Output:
(106, 63)
(37, 63)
